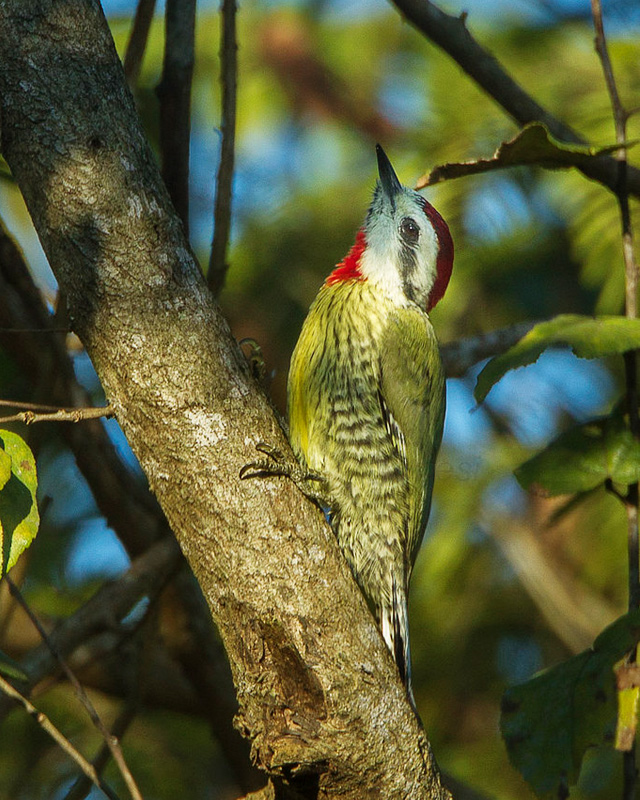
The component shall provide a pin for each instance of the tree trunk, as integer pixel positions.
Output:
(319, 695)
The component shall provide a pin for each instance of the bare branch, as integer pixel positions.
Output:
(81, 787)
(222, 212)
(461, 355)
(451, 34)
(110, 604)
(138, 40)
(61, 415)
(632, 504)
(45, 723)
(174, 92)
(110, 740)
(38, 407)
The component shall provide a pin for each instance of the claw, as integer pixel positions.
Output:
(270, 451)
(274, 465)
(277, 464)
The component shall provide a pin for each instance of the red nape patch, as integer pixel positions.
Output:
(349, 268)
(444, 261)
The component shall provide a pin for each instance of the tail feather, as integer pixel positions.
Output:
(395, 631)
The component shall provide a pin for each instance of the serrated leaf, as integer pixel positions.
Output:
(532, 145)
(549, 722)
(584, 457)
(19, 518)
(11, 668)
(588, 337)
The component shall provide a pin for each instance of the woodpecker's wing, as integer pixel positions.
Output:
(413, 395)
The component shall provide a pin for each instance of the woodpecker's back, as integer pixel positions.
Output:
(366, 395)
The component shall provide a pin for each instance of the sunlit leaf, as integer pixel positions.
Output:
(533, 145)
(584, 457)
(549, 722)
(5, 468)
(588, 337)
(628, 683)
(19, 518)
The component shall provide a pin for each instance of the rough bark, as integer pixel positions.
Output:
(319, 695)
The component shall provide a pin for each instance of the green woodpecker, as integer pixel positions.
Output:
(366, 396)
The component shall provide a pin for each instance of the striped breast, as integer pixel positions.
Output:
(340, 429)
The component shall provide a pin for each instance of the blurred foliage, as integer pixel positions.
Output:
(585, 457)
(549, 722)
(317, 87)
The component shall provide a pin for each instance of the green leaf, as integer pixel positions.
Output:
(11, 668)
(589, 337)
(549, 722)
(5, 468)
(532, 145)
(584, 457)
(627, 724)
(19, 518)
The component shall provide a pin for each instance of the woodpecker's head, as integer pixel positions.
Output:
(404, 246)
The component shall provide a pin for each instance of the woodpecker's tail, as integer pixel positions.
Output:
(395, 631)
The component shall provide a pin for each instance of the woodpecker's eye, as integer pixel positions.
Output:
(409, 230)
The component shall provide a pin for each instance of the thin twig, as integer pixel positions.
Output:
(451, 34)
(81, 787)
(631, 283)
(222, 212)
(61, 415)
(620, 116)
(34, 330)
(103, 612)
(45, 723)
(174, 92)
(38, 407)
(110, 740)
(138, 40)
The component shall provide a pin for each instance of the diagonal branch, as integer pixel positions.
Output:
(81, 787)
(138, 40)
(452, 35)
(45, 723)
(174, 91)
(105, 610)
(111, 741)
(222, 211)
(462, 354)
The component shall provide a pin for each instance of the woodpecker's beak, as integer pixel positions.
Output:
(391, 186)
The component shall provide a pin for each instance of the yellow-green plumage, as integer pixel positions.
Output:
(366, 408)
(366, 396)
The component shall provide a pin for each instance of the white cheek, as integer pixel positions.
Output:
(427, 260)
(381, 262)
(380, 268)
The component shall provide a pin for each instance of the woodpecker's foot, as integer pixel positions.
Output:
(277, 464)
